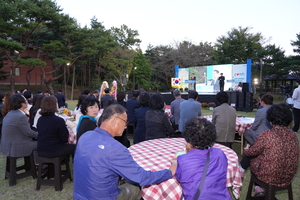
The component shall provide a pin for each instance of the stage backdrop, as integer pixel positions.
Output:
(207, 76)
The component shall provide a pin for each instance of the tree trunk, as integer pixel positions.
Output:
(12, 77)
(28, 77)
(50, 87)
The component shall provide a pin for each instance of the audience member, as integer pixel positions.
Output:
(296, 107)
(96, 94)
(16, 133)
(260, 122)
(275, 153)
(1, 106)
(200, 136)
(189, 109)
(113, 160)
(89, 109)
(53, 133)
(6, 104)
(224, 119)
(175, 109)
(79, 102)
(120, 98)
(23, 90)
(86, 92)
(46, 93)
(132, 104)
(105, 97)
(157, 122)
(28, 95)
(61, 101)
(35, 112)
(139, 118)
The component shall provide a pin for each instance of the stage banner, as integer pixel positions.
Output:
(183, 74)
(175, 82)
(239, 73)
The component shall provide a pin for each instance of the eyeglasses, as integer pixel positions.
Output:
(123, 120)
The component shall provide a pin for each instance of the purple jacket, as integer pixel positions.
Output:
(189, 173)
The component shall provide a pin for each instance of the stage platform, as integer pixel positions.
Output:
(202, 97)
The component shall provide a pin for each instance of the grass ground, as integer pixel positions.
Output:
(25, 188)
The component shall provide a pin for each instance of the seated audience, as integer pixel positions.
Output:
(139, 118)
(61, 101)
(189, 109)
(53, 133)
(120, 98)
(132, 104)
(35, 111)
(157, 122)
(275, 153)
(1, 106)
(79, 102)
(106, 97)
(87, 121)
(175, 109)
(200, 136)
(16, 133)
(112, 161)
(260, 122)
(224, 119)
(6, 106)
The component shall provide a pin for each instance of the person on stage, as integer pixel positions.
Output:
(221, 82)
(193, 78)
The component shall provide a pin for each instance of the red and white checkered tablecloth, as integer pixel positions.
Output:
(241, 124)
(156, 154)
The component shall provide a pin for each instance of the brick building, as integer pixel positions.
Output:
(21, 71)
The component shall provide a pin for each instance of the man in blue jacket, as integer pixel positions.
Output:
(100, 161)
(189, 109)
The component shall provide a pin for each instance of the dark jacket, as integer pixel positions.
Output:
(85, 125)
(140, 124)
(104, 99)
(131, 105)
(157, 125)
(60, 100)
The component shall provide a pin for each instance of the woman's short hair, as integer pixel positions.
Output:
(200, 133)
(16, 100)
(121, 95)
(156, 102)
(144, 99)
(280, 114)
(48, 105)
(222, 97)
(89, 101)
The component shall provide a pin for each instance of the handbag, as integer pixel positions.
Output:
(197, 195)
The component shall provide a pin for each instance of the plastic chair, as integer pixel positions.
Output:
(270, 190)
(53, 171)
(11, 172)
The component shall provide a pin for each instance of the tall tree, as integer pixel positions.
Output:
(294, 61)
(238, 46)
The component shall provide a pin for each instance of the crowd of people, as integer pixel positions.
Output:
(103, 166)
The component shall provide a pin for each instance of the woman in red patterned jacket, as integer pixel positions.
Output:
(275, 153)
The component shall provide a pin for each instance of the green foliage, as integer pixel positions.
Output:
(30, 62)
(273, 60)
(237, 46)
(141, 72)
(3, 74)
(11, 46)
(125, 36)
